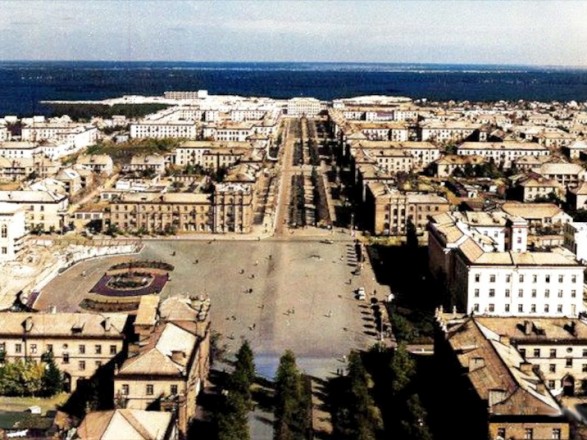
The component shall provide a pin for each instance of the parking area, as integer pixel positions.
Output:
(277, 294)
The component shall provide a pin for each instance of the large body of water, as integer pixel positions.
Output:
(24, 84)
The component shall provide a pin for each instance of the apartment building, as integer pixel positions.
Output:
(98, 163)
(383, 131)
(388, 211)
(228, 131)
(44, 210)
(422, 153)
(487, 279)
(151, 162)
(575, 239)
(210, 154)
(567, 174)
(233, 207)
(446, 131)
(577, 197)
(488, 379)
(538, 215)
(12, 231)
(20, 150)
(532, 187)
(171, 359)
(503, 153)
(5, 134)
(162, 129)
(448, 164)
(303, 107)
(80, 342)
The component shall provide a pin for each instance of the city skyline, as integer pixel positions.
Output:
(445, 32)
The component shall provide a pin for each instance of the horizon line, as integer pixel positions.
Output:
(545, 66)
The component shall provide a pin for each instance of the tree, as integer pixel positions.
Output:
(245, 361)
(414, 426)
(232, 418)
(290, 399)
(402, 369)
(52, 379)
(411, 235)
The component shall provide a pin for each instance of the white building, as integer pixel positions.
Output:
(164, 129)
(152, 162)
(4, 133)
(575, 239)
(44, 210)
(487, 278)
(20, 150)
(449, 131)
(12, 231)
(303, 107)
(502, 153)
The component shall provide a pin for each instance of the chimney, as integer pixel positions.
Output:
(526, 367)
(527, 328)
(504, 339)
(28, 324)
(107, 324)
(178, 356)
(53, 310)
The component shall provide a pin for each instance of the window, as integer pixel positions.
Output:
(125, 389)
(4, 250)
(559, 308)
(574, 279)
(556, 434)
(501, 432)
(476, 307)
(528, 434)
(560, 293)
(491, 293)
(573, 293)
(552, 368)
(476, 293)
(547, 278)
(2, 347)
(113, 349)
(49, 348)
(507, 293)
(522, 352)
(568, 362)
(584, 368)
(150, 390)
(547, 293)
(585, 352)
(492, 278)
(520, 308)
(551, 384)
(98, 349)
(521, 278)
(173, 389)
(561, 278)
(98, 364)
(534, 278)
(552, 353)
(4, 231)
(533, 308)
(491, 307)
(82, 365)
(533, 293)
(477, 277)
(536, 352)
(520, 293)
(66, 358)
(508, 278)
(546, 308)
(18, 348)
(82, 349)
(507, 308)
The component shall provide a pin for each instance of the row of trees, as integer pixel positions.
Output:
(30, 378)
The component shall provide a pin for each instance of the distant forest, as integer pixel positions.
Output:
(85, 112)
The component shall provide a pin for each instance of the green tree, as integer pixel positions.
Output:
(232, 418)
(32, 377)
(414, 425)
(245, 361)
(411, 236)
(52, 379)
(402, 367)
(290, 400)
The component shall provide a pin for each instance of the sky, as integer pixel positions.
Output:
(527, 32)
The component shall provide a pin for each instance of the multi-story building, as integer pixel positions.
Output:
(12, 231)
(44, 210)
(20, 150)
(533, 187)
(384, 131)
(577, 197)
(5, 134)
(447, 131)
(303, 107)
(210, 154)
(151, 162)
(162, 129)
(388, 211)
(170, 362)
(127, 423)
(229, 131)
(538, 215)
(448, 164)
(98, 163)
(485, 278)
(502, 153)
(575, 239)
(66, 138)
(80, 342)
(567, 174)
(233, 207)
(501, 393)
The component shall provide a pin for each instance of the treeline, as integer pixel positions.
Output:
(85, 112)
(30, 378)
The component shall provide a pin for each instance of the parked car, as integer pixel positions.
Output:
(361, 294)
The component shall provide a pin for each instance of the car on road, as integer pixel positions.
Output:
(360, 293)
(327, 241)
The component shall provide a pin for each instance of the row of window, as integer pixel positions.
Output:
(553, 353)
(33, 348)
(529, 433)
(149, 389)
(521, 309)
(533, 293)
(521, 278)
